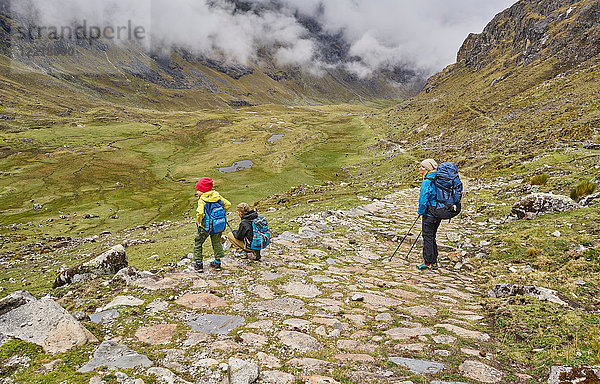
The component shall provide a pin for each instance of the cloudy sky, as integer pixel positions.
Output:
(422, 35)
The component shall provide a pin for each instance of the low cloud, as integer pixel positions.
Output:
(362, 36)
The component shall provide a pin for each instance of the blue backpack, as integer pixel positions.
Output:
(215, 217)
(261, 235)
(448, 189)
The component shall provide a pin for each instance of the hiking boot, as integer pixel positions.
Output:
(240, 254)
(424, 266)
(434, 266)
(216, 264)
(254, 255)
(199, 267)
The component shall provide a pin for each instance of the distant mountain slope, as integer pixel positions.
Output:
(530, 81)
(97, 74)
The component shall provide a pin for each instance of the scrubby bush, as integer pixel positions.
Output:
(539, 179)
(532, 252)
(582, 189)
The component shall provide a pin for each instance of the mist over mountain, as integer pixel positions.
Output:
(361, 37)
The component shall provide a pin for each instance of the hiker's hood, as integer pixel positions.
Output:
(211, 196)
(250, 215)
(431, 175)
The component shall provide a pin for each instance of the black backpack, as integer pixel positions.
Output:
(448, 190)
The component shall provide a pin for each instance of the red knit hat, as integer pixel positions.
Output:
(205, 184)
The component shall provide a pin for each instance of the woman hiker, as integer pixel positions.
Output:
(430, 224)
(206, 196)
(242, 237)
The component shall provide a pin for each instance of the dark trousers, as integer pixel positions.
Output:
(430, 226)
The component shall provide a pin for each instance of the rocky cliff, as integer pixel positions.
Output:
(568, 30)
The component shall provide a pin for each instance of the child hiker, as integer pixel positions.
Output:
(211, 219)
(242, 237)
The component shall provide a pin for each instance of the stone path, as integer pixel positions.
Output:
(323, 304)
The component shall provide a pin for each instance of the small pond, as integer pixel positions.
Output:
(237, 166)
(274, 138)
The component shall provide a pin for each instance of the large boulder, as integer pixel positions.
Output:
(43, 322)
(594, 198)
(107, 263)
(538, 204)
(541, 293)
(115, 356)
(583, 374)
(242, 371)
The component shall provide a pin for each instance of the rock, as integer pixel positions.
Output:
(356, 357)
(542, 203)
(80, 316)
(316, 379)
(592, 199)
(573, 375)
(113, 356)
(42, 322)
(126, 301)
(195, 338)
(201, 301)
(130, 274)
(462, 332)
(268, 361)
(156, 306)
(262, 291)
(355, 345)
(301, 290)
(276, 377)
(216, 324)
(297, 324)
(287, 236)
(383, 317)
(286, 306)
(156, 334)
(152, 282)
(377, 300)
(107, 263)
(104, 316)
(447, 382)
(165, 376)
(444, 339)
(242, 371)
(357, 297)
(407, 333)
(205, 363)
(556, 233)
(307, 363)
(481, 372)
(299, 341)
(504, 290)
(15, 300)
(420, 367)
(403, 294)
(453, 237)
(254, 339)
(422, 311)
(261, 324)
(226, 345)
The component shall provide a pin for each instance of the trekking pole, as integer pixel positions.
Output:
(404, 238)
(411, 248)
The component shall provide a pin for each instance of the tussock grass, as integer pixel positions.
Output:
(583, 189)
(539, 179)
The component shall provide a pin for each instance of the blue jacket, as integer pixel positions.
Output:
(428, 194)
